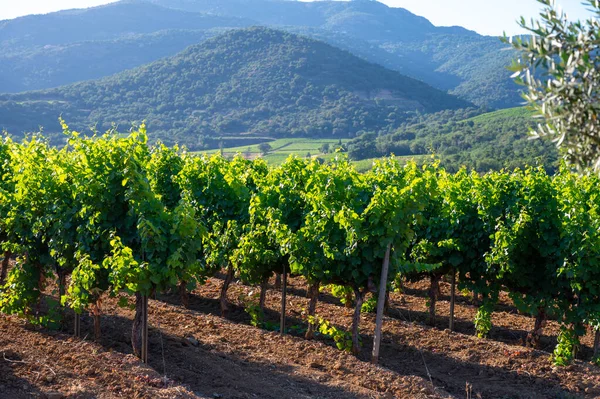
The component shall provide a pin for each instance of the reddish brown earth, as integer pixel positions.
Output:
(49, 365)
(198, 353)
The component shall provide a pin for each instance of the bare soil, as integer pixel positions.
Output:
(195, 352)
(36, 364)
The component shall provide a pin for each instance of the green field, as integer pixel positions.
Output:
(281, 149)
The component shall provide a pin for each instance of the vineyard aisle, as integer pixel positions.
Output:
(204, 355)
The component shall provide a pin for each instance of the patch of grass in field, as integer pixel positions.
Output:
(284, 148)
(276, 158)
(281, 149)
(364, 165)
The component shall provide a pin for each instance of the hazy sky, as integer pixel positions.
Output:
(490, 17)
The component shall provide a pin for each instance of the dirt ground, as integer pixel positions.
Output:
(195, 352)
(46, 365)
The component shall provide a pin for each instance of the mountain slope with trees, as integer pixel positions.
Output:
(75, 62)
(44, 51)
(484, 142)
(252, 81)
(450, 58)
(40, 51)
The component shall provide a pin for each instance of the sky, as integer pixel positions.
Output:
(488, 17)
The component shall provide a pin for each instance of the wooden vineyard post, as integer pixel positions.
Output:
(452, 299)
(597, 344)
(145, 329)
(77, 323)
(283, 300)
(380, 305)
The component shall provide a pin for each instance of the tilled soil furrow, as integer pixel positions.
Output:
(204, 355)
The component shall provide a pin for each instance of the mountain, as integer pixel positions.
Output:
(56, 65)
(449, 58)
(254, 81)
(42, 51)
(112, 21)
(372, 19)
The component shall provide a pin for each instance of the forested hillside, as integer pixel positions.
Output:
(489, 141)
(45, 51)
(253, 81)
(450, 58)
(31, 69)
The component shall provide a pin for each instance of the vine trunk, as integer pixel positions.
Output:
(356, 321)
(313, 291)
(224, 289)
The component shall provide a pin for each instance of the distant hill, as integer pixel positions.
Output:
(371, 19)
(254, 81)
(56, 65)
(450, 58)
(108, 22)
(483, 142)
(43, 51)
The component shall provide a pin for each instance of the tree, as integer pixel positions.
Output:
(186, 232)
(38, 218)
(581, 240)
(219, 191)
(526, 247)
(350, 221)
(264, 148)
(6, 188)
(276, 213)
(433, 251)
(560, 67)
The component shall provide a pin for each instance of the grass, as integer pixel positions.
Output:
(276, 158)
(364, 165)
(282, 149)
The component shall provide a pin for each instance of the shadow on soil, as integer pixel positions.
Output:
(465, 326)
(460, 299)
(452, 375)
(461, 325)
(208, 371)
(12, 386)
(445, 372)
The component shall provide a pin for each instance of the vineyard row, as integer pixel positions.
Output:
(110, 214)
